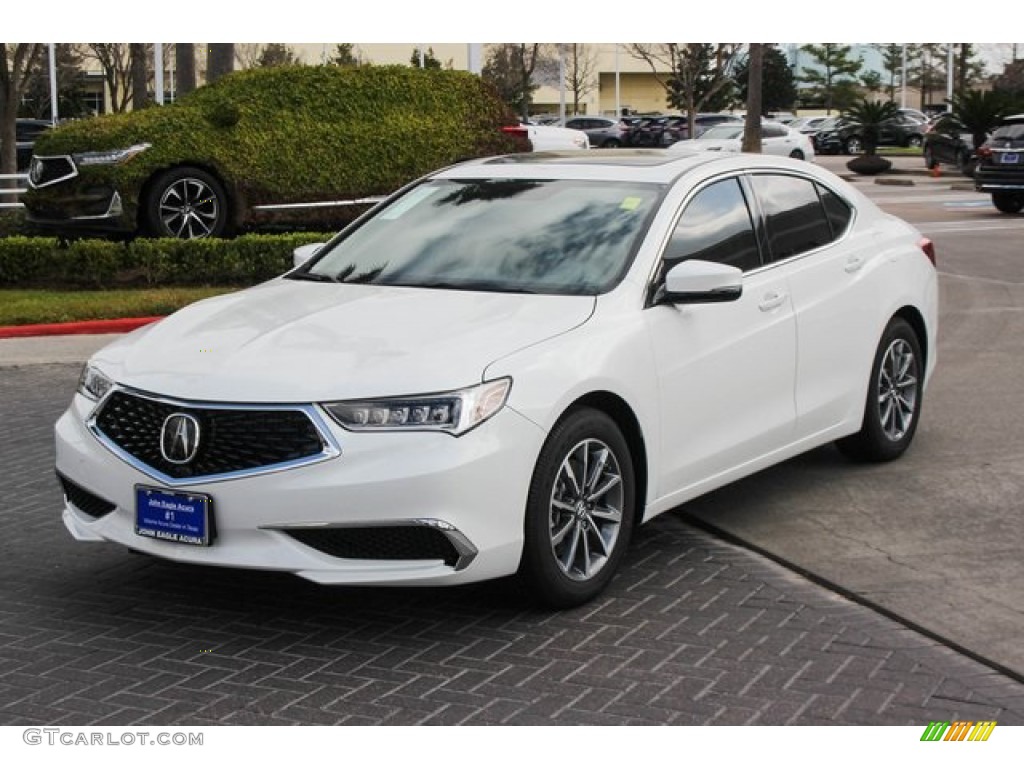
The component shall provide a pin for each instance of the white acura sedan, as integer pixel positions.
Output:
(776, 139)
(505, 368)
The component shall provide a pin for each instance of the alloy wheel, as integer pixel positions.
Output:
(897, 389)
(585, 513)
(189, 208)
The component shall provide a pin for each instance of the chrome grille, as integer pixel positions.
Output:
(49, 170)
(232, 439)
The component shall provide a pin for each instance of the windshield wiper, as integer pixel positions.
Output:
(314, 276)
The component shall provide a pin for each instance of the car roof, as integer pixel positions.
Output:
(658, 166)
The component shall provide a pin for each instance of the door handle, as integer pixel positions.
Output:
(854, 263)
(771, 301)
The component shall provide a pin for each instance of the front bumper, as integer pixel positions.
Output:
(472, 488)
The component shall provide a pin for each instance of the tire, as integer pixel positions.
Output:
(574, 538)
(853, 146)
(1008, 202)
(611, 144)
(796, 154)
(915, 141)
(929, 159)
(186, 203)
(964, 163)
(892, 408)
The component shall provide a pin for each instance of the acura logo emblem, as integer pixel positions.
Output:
(179, 438)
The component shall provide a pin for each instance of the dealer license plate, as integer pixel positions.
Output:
(185, 518)
(1009, 158)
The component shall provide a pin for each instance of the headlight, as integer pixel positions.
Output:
(109, 156)
(93, 384)
(454, 412)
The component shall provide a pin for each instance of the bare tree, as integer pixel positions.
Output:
(115, 62)
(581, 72)
(185, 67)
(220, 60)
(696, 76)
(752, 124)
(15, 68)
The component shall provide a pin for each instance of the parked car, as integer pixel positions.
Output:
(947, 141)
(678, 128)
(505, 368)
(845, 137)
(543, 138)
(601, 131)
(242, 151)
(776, 139)
(1000, 168)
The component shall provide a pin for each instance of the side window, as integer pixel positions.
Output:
(837, 210)
(794, 216)
(772, 131)
(715, 226)
(577, 124)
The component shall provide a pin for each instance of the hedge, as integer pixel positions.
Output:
(36, 262)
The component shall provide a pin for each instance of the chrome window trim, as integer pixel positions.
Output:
(330, 447)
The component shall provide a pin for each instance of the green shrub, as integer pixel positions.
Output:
(34, 262)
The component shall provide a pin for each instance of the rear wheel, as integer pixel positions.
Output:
(893, 403)
(580, 510)
(186, 203)
(929, 159)
(915, 141)
(612, 143)
(796, 154)
(1008, 202)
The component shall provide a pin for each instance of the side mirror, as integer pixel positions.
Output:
(701, 282)
(304, 253)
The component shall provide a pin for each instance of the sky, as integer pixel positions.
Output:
(468, 20)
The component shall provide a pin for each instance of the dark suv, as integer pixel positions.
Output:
(845, 135)
(1000, 169)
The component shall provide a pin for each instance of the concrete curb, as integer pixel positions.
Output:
(120, 325)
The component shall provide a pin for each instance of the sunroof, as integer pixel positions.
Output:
(626, 157)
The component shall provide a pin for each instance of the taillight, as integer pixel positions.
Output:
(515, 130)
(928, 247)
(984, 151)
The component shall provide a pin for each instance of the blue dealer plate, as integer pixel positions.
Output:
(185, 518)
(1009, 158)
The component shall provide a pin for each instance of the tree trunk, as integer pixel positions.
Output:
(752, 124)
(185, 68)
(140, 76)
(16, 61)
(220, 60)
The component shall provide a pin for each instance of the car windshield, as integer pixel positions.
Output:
(723, 132)
(1011, 132)
(829, 124)
(506, 235)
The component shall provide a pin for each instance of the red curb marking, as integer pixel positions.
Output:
(121, 325)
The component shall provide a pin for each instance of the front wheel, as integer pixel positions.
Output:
(929, 159)
(580, 510)
(186, 203)
(611, 144)
(1008, 202)
(853, 146)
(893, 404)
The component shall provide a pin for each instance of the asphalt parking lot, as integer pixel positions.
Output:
(697, 629)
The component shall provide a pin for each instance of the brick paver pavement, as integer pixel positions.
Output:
(694, 630)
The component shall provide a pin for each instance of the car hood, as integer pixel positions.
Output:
(295, 341)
